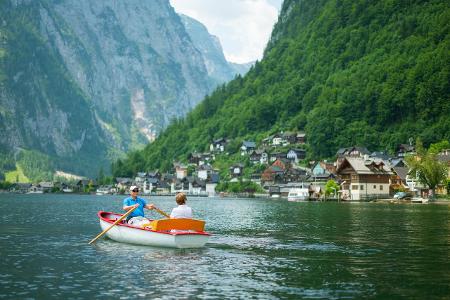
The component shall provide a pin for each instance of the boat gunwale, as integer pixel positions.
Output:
(101, 213)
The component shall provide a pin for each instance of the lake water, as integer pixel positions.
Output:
(261, 249)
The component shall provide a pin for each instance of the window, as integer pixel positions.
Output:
(381, 187)
(354, 187)
(374, 187)
(361, 187)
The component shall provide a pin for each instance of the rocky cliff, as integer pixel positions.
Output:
(84, 81)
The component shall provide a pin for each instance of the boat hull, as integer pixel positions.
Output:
(143, 236)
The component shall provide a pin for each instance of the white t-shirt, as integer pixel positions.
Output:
(182, 211)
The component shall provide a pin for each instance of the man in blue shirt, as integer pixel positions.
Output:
(135, 201)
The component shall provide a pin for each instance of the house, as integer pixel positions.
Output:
(149, 185)
(163, 188)
(296, 154)
(85, 184)
(203, 171)
(206, 158)
(273, 174)
(363, 179)
(444, 157)
(301, 138)
(399, 178)
(323, 167)
(381, 155)
(247, 147)
(255, 156)
(211, 183)
(295, 175)
(46, 186)
(404, 149)
(283, 163)
(21, 187)
(350, 152)
(196, 186)
(218, 145)
(236, 170)
(180, 185)
(194, 158)
(123, 183)
(277, 139)
(181, 170)
(154, 174)
(277, 155)
(289, 137)
(353, 151)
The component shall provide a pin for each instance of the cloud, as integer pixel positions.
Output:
(243, 26)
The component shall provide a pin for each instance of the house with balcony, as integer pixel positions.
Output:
(363, 179)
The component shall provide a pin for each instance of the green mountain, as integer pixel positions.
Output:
(348, 72)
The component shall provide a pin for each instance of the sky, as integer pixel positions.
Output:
(242, 26)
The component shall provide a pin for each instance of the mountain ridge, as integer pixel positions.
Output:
(346, 72)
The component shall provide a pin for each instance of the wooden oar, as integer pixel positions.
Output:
(114, 224)
(161, 212)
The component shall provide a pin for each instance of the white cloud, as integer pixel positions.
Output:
(243, 26)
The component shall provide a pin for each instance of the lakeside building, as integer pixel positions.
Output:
(363, 179)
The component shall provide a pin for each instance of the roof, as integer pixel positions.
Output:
(249, 144)
(380, 154)
(362, 166)
(276, 169)
(123, 180)
(205, 167)
(214, 178)
(401, 172)
(152, 180)
(346, 151)
(444, 158)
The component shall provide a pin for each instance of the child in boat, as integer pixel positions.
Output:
(182, 210)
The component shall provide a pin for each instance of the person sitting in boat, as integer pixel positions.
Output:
(136, 218)
(182, 210)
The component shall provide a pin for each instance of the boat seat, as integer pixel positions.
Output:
(179, 224)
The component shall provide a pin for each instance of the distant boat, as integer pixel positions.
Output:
(67, 190)
(298, 194)
(102, 191)
(36, 192)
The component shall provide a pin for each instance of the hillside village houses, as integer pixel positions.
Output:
(279, 161)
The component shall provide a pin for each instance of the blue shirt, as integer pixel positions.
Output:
(138, 212)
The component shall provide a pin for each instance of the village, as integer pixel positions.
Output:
(355, 175)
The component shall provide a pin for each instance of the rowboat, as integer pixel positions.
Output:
(173, 233)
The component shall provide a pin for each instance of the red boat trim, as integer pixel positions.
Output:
(101, 214)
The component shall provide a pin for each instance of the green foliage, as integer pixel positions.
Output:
(5, 185)
(239, 187)
(438, 147)
(428, 169)
(331, 187)
(348, 73)
(36, 166)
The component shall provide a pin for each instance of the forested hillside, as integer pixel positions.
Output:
(347, 72)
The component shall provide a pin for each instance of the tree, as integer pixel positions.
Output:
(428, 169)
(331, 188)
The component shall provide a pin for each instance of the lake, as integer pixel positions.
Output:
(260, 248)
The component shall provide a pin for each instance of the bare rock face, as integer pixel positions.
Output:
(133, 59)
(88, 80)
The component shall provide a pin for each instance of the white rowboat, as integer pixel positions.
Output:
(146, 236)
